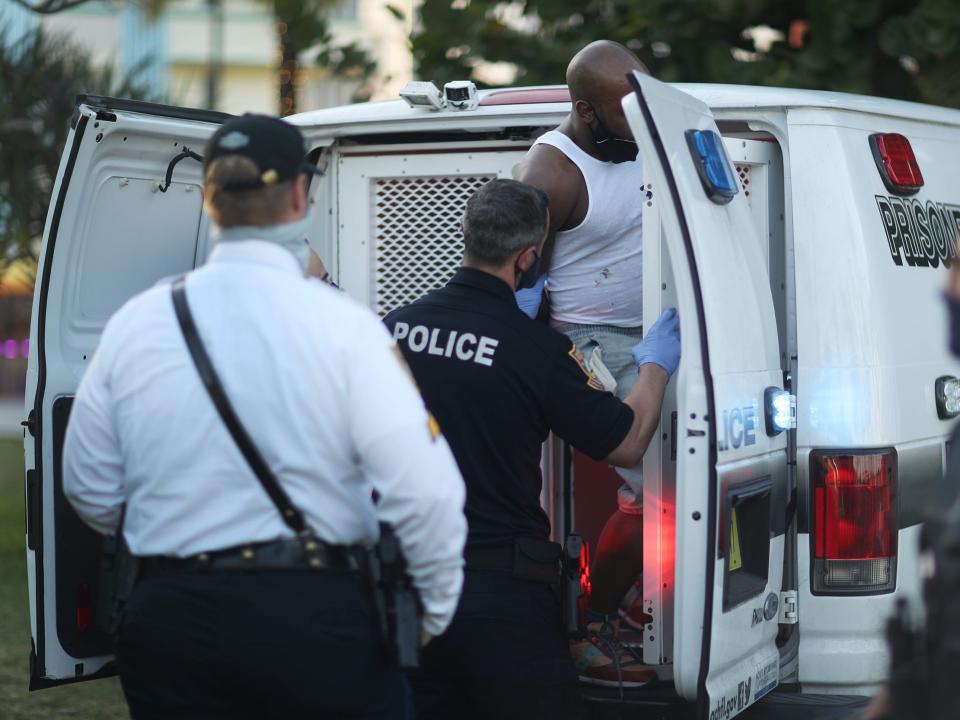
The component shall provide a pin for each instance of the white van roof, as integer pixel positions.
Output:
(534, 105)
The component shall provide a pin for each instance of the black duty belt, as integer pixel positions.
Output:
(498, 557)
(292, 554)
(530, 559)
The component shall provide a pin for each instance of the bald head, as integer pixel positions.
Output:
(598, 73)
(597, 78)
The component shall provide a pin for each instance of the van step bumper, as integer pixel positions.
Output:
(660, 702)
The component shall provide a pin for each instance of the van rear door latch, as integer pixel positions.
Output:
(788, 608)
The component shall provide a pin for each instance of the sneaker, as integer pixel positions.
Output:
(601, 659)
(631, 608)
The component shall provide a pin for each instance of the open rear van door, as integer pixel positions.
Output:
(730, 465)
(117, 224)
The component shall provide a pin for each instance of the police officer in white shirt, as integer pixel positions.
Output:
(228, 620)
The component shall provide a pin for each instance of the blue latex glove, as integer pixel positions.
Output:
(661, 343)
(528, 299)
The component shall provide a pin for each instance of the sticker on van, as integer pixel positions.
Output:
(728, 706)
(766, 679)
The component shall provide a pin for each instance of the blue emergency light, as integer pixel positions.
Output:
(781, 410)
(713, 165)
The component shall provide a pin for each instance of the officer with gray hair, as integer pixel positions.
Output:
(498, 382)
(244, 417)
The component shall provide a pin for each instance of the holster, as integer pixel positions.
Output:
(119, 572)
(543, 314)
(536, 560)
(575, 584)
(396, 602)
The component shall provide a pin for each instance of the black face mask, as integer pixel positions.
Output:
(613, 149)
(529, 277)
(953, 320)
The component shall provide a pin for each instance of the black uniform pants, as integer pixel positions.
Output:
(271, 644)
(504, 656)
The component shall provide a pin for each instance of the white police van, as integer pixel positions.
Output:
(799, 233)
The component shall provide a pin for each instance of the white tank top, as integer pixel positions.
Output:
(596, 274)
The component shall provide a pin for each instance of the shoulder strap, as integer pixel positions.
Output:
(211, 381)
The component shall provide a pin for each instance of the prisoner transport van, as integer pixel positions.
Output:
(803, 237)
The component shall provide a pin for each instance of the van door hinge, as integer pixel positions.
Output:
(788, 608)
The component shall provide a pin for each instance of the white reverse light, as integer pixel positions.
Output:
(948, 397)
(781, 410)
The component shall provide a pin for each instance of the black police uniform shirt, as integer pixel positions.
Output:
(497, 383)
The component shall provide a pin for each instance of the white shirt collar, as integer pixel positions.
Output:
(260, 252)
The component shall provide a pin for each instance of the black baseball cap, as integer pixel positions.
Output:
(276, 147)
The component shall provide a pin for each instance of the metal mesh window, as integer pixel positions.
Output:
(417, 239)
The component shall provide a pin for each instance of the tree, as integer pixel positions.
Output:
(906, 49)
(302, 25)
(40, 78)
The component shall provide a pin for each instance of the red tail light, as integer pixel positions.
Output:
(896, 162)
(854, 521)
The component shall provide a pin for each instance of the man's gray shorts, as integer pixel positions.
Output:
(614, 345)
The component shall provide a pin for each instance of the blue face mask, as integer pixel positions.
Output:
(529, 277)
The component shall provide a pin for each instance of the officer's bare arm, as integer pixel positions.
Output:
(645, 400)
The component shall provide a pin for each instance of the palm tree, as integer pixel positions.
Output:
(302, 25)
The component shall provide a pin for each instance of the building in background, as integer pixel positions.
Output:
(174, 50)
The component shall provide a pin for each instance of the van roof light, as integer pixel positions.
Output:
(420, 94)
(896, 162)
(460, 94)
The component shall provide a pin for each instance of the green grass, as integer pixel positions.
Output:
(98, 699)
